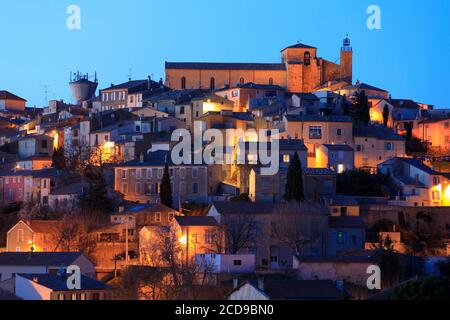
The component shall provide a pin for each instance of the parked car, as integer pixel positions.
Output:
(131, 254)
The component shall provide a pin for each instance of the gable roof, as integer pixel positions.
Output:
(225, 66)
(418, 164)
(299, 46)
(404, 103)
(292, 289)
(205, 221)
(364, 86)
(318, 118)
(338, 147)
(6, 95)
(59, 282)
(238, 207)
(379, 132)
(53, 259)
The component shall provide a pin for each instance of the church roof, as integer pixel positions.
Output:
(299, 46)
(225, 66)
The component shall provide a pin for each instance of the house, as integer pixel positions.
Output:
(11, 102)
(35, 236)
(436, 132)
(54, 287)
(243, 93)
(35, 145)
(27, 185)
(349, 268)
(303, 103)
(139, 180)
(419, 184)
(288, 289)
(226, 263)
(66, 197)
(341, 205)
(337, 157)
(141, 215)
(126, 95)
(375, 144)
(358, 87)
(197, 235)
(265, 224)
(345, 233)
(318, 182)
(316, 130)
(13, 263)
(34, 163)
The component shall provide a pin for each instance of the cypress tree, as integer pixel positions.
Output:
(294, 183)
(165, 191)
(385, 115)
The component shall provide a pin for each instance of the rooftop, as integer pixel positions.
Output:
(318, 118)
(206, 221)
(299, 46)
(379, 132)
(225, 66)
(338, 147)
(54, 259)
(59, 282)
(6, 95)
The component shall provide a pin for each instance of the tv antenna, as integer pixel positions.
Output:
(129, 74)
(45, 92)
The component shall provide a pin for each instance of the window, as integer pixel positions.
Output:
(131, 99)
(124, 174)
(160, 173)
(171, 216)
(235, 93)
(286, 158)
(44, 144)
(237, 262)
(436, 181)
(194, 172)
(138, 128)
(359, 148)
(183, 83)
(61, 297)
(315, 132)
(389, 146)
(271, 81)
(242, 81)
(194, 238)
(182, 173)
(149, 173)
(20, 235)
(209, 236)
(307, 58)
(339, 132)
(181, 110)
(195, 188)
(96, 296)
(212, 83)
(158, 216)
(340, 237)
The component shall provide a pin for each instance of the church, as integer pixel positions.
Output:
(301, 70)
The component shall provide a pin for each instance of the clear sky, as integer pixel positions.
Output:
(409, 55)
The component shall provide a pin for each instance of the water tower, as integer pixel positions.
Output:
(82, 88)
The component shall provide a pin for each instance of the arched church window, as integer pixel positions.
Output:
(271, 81)
(242, 81)
(307, 60)
(183, 83)
(212, 83)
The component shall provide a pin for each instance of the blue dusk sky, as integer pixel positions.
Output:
(409, 55)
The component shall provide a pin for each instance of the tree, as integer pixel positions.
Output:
(95, 199)
(294, 184)
(59, 159)
(166, 188)
(426, 289)
(385, 115)
(243, 197)
(360, 110)
(299, 225)
(239, 231)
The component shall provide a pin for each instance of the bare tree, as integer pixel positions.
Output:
(299, 225)
(237, 231)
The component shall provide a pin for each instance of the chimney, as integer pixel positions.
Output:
(235, 283)
(261, 284)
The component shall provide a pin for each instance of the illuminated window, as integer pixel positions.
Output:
(286, 158)
(341, 168)
(315, 132)
(307, 58)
